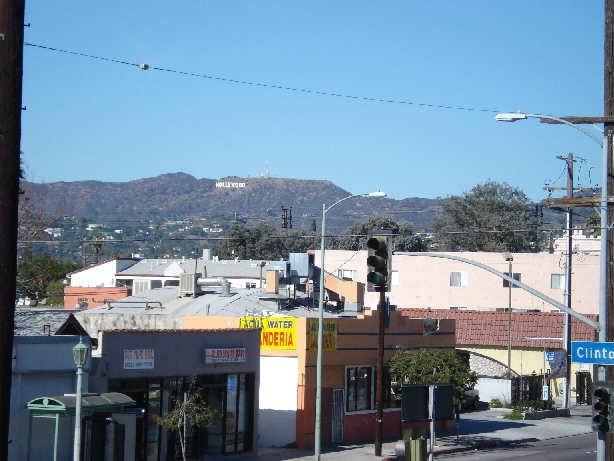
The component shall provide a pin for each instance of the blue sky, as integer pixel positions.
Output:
(91, 119)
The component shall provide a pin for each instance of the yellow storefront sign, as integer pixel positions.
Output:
(329, 335)
(277, 332)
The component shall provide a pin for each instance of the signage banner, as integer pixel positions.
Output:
(329, 335)
(225, 355)
(138, 359)
(277, 332)
(558, 365)
(592, 352)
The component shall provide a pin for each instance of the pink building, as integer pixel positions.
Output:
(423, 282)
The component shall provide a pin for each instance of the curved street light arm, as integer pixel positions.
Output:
(560, 120)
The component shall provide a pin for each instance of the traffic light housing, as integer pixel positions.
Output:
(602, 391)
(379, 259)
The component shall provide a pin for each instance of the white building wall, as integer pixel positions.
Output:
(102, 274)
(278, 401)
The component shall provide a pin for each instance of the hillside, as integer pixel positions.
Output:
(253, 200)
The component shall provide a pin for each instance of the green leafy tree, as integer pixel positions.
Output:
(490, 217)
(41, 277)
(354, 237)
(188, 409)
(593, 225)
(431, 366)
(312, 227)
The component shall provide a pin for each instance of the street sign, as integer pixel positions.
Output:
(545, 393)
(600, 353)
(549, 356)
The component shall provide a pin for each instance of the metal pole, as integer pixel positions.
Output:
(603, 267)
(318, 423)
(509, 325)
(380, 375)
(77, 450)
(432, 422)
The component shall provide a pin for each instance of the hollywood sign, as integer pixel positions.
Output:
(229, 184)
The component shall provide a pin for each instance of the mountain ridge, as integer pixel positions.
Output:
(253, 200)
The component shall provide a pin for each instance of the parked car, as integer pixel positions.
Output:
(471, 398)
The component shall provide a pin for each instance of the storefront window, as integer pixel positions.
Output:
(360, 388)
(153, 429)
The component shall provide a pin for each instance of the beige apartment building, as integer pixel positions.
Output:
(423, 281)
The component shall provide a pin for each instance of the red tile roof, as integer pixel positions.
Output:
(484, 328)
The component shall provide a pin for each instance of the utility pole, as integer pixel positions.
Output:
(608, 111)
(11, 76)
(567, 329)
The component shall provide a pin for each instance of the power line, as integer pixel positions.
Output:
(264, 85)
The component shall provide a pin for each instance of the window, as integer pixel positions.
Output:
(156, 284)
(557, 281)
(458, 308)
(83, 303)
(515, 276)
(394, 278)
(459, 279)
(346, 274)
(250, 284)
(360, 387)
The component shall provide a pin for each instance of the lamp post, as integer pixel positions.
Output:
(509, 258)
(603, 261)
(80, 356)
(318, 422)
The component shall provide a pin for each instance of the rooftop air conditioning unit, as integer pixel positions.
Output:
(188, 285)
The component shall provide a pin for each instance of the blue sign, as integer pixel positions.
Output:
(549, 356)
(592, 352)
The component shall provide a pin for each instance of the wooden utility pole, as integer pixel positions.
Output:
(11, 72)
(608, 111)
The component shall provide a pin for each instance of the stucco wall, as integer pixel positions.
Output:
(425, 281)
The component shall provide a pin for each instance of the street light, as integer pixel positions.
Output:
(80, 355)
(318, 424)
(512, 117)
(509, 258)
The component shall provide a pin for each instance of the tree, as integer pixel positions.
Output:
(188, 410)
(431, 366)
(97, 245)
(490, 217)
(312, 227)
(262, 242)
(41, 277)
(593, 225)
(354, 237)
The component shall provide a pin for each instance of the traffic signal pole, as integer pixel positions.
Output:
(379, 412)
(605, 446)
(379, 261)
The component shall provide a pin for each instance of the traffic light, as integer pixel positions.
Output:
(379, 258)
(601, 408)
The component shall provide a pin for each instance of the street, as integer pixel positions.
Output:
(576, 448)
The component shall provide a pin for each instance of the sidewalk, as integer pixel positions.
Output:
(476, 430)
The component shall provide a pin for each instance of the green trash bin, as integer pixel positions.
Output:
(415, 444)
